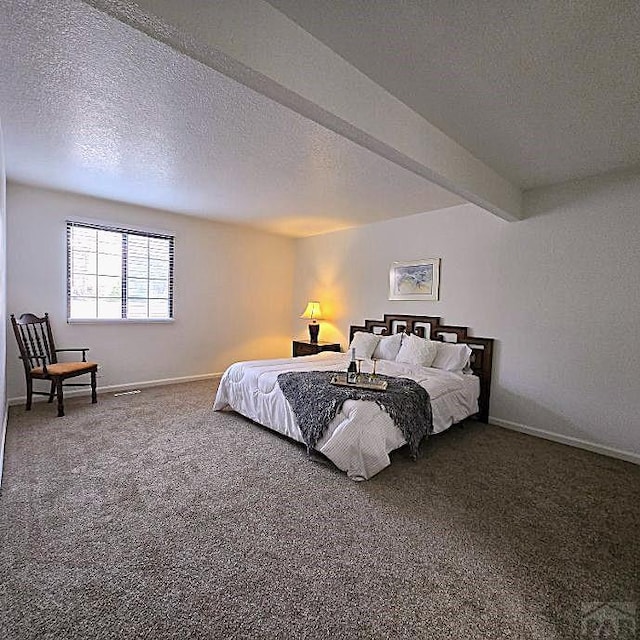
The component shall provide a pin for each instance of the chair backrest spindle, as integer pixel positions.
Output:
(30, 348)
(33, 335)
(50, 345)
(42, 342)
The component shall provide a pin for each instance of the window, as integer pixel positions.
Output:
(115, 273)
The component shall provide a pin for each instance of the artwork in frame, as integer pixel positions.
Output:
(415, 280)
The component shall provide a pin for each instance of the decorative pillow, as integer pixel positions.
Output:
(416, 350)
(451, 356)
(364, 343)
(388, 347)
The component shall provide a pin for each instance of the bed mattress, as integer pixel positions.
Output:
(361, 436)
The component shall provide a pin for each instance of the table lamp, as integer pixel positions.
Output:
(313, 313)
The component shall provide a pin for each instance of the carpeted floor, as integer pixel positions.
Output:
(150, 516)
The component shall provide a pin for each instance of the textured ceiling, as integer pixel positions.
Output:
(93, 106)
(542, 91)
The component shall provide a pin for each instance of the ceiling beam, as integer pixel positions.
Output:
(256, 45)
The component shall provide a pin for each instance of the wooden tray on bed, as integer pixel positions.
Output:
(340, 379)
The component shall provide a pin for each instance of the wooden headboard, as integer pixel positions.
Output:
(430, 327)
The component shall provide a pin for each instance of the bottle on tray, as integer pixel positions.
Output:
(352, 371)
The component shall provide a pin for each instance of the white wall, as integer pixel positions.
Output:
(558, 291)
(232, 290)
(3, 304)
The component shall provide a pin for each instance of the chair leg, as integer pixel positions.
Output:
(59, 394)
(94, 396)
(52, 391)
(29, 393)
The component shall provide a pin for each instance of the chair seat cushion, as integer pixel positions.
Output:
(64, 368)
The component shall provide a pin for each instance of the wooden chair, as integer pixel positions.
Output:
(40, 359)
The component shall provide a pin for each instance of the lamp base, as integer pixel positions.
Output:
(313, 332)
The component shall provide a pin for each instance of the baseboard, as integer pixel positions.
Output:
(3, 435)
(629, 456)
(70, 393)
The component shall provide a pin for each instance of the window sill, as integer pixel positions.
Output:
(120, 320)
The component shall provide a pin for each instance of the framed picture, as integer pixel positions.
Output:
(415, 280)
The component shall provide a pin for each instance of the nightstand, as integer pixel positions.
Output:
(306, 348)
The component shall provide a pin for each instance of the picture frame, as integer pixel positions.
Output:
(415, 280)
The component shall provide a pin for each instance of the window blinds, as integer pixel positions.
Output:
(116, 273)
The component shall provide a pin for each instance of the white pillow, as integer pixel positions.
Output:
(388, 347)
(451, 356)
(364, 344)
(415, 350)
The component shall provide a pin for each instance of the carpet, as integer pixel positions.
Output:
(151, 516)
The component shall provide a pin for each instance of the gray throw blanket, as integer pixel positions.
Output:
(315, 402)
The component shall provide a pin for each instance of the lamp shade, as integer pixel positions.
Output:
(313, 311)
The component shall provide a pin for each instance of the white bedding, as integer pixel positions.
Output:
(361, 436)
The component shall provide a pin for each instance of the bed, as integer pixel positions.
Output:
(362, 435)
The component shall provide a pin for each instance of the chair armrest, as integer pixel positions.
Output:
(83, 349)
